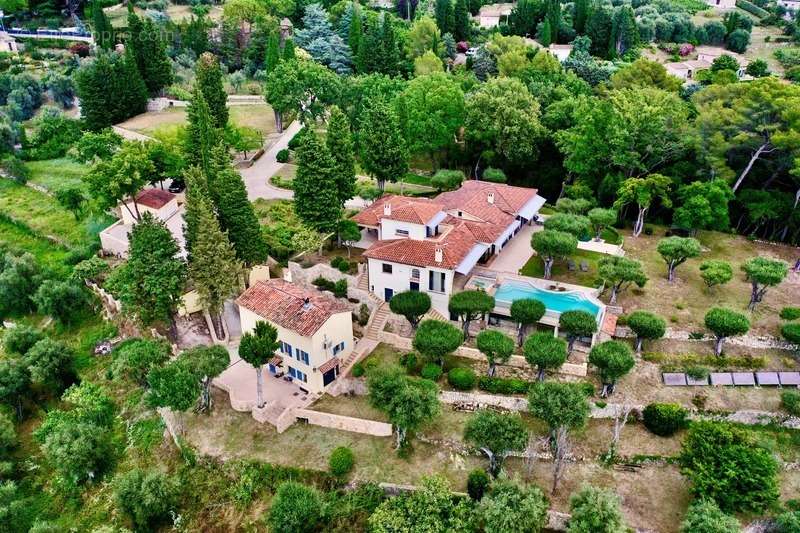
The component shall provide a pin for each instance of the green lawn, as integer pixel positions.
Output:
(54, 174)
(535, 268)
(19, 240)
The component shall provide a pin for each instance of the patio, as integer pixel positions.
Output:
(516, 253)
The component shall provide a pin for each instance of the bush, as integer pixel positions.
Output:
(698, 372)
(295, 508)
(790, 313)
(447, 180)
(408, 361)
(341, 461)
(340, 288)
(790, 400)
(495, 175)
(664, 419)
(461, 378)
(21, 339)
(294, 142)
(431, 371)
(496, 385)
(147, 497)
(477, 483)
(282, 156)
(363, 314)
(358, 370)
(791, 332)
(752, 8)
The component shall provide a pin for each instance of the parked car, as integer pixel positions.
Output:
(176, 186)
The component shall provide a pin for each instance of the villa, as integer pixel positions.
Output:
(315, 331)
(162, 204)
(491, 15)
(429, 245)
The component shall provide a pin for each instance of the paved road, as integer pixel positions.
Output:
(256, 178)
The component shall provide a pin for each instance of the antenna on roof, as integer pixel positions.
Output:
(306, 303)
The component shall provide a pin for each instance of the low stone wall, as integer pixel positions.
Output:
(345, 423)
(516, 361)
(305, 276)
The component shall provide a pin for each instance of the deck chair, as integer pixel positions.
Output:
(571, 265)
(584, 266)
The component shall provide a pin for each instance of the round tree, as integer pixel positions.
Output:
(576, 324)
(206, 363)
(435, 339)
(511, 507)
(469, 306)
(613, 360)
(524, 312)
(715, 272)
(791, 332)
(412, 305)
(256, 349)
(341, 461)
(675, 251)
(664, 419)
(496, 434)
(646, 326)
(600, 219)
(147, 497)
(577, 225)
(496, 346)
(545, 352)
(595, 510)
(763, 273)
(619, 273)
(551, 245)
(705, 516)
(295, 507)
(725, 323)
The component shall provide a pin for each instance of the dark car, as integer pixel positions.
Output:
(176, 186)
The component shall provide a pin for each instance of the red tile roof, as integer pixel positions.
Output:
(282, 303)
(154, 198)
(473, 198)
(329, 364)
(403, 208)
(455, 244)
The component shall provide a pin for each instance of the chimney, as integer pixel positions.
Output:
(306, 304)
(490, 198)
(439, 255)
(387, 209)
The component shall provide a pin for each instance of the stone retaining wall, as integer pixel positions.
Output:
(305, 276)
(345, 423)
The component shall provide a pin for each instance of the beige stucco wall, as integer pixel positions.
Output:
(400, 279)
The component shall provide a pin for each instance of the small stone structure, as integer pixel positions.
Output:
(344, 423)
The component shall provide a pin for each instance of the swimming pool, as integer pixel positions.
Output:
(553, 300)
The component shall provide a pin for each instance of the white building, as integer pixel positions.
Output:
(560, 51)
(687, 70)
(425, 245)
(722, 5)
(315, 331)
(8, 43)
(159, 203)
(491, 15)
(792, 6)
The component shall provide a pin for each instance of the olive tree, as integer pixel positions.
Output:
(412, 305)
(595, 510)
(576, 324)
(675, 251)
(613, 360)
(763, 273)
(646, 326)
(600, 219)
(524, 312)
(469, 306)
(619, 273)
(544, 351)
(551, 245)
(725, 323)
(206, 363)
(435, 339)
(496, 346)
(510, 507)
(146, 496)
(496, 435)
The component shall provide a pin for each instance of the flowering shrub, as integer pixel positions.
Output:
(685, 49)
(462, 46)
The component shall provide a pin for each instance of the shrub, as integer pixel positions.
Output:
(752, 8)
(336, 260)
(409, 361)
(295, 508)
(790, 313)
(340, 288)
(294, 142)
(147, 497)
(447, 180)
(21, 339)
(363, 314)
(495, 175)
(790, 400)
(282, 156)
(358, 370)
(341, 461)
(697, 372)
(461, 378)
(664, 419)
(477, 483)
(431, 371)
(496, 385)
(791, 332)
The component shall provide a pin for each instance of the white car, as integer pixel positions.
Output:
(472, 51)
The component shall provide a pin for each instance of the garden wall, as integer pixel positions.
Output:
(304, 276)
(345, 423)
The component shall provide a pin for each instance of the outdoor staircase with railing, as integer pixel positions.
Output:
(377, 321)
(363, 280)
(433, 314)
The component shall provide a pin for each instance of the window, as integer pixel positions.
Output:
(436, 281)
(414, 273)
(301, 356)
(296, 374)
(387, 268)
(401, 232)
(286, 348)
(338, 348)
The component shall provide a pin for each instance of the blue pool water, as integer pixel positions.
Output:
(552, 300)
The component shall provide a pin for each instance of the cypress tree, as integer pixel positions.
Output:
(390, 54)
(598, 29)
(361, 63)
(273, 53)
(237, 217)
(461, 24)
(128, 89)
(383, 149)
(546, 34)
(201, 136)
(209, 79)
(624, 33)
(581, 15)
(288, 50)
(340, 145)
(196, 192)
(316, 201)
(213, 268)
(103, 31)
(354, 34)
(144, 41)
(444, 16)
(553, 17)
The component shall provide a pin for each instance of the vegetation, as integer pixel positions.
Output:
(664, 419)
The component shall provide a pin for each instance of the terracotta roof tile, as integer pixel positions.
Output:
(281, 303)
(473, 198)
(328, 365)
(455, 244)
(154, 198)
(403, 208)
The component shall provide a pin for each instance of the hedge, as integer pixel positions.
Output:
(752, 8)
(461, 378)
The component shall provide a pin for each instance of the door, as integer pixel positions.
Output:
(413, 286)
(329, 376)
(388, 293)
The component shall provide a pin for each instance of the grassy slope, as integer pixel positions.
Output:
(56, 173)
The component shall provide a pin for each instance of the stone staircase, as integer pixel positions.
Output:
(271, 412)
(363, 280)
(433, 314)
(371, 338)
(377, 322)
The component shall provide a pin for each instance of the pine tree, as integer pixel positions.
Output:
(201, 135)
(581, 16)
(339, 142)
(461, 24)
(316, 201)
(444, 16)
(237, 217)
(273, 53)
(196, 192)
(209, 79)
(103, 31)
(110, 90)
(355, 30)
(213, 269)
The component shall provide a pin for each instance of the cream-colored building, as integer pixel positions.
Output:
(315, 331)
(722, 4)
(8, 43)
(560, 51)
(490, 16)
